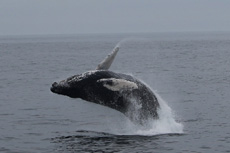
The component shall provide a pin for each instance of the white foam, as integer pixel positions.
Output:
(166, 124)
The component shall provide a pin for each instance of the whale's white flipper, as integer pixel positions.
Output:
(106, 63)
(118, 84)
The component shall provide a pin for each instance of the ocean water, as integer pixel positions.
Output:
(189, 72)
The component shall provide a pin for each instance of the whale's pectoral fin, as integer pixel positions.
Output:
(118, 84)
(106, 63)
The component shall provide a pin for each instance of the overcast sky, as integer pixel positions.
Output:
(22, 17)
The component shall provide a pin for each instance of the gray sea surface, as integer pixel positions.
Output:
(190, 72)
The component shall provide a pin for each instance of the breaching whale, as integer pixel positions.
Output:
(118, 91)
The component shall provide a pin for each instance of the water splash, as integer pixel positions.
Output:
(166, 124)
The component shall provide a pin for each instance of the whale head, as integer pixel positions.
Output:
(68, 87)
(74, 86)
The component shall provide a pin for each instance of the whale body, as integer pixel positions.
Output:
(118, 91)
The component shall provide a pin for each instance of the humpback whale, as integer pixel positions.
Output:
(118, 91)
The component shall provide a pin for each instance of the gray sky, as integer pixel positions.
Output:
(112, 16)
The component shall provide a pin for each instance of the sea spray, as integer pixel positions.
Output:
(166, 123)
(167, 120)
(131, 40)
